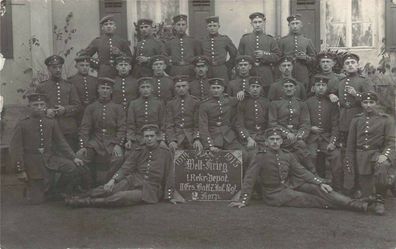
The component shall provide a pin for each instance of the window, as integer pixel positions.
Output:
(156, 10)
(350, 23)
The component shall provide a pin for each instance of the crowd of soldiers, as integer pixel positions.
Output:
(109, 140)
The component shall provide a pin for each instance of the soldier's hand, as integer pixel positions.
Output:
(117, 151)
(251, 143)
(316, 129)
(382, 159)
(258, 54)
(60, 110)
(291, 137)
(301, 56)
(78, 162)
(128, 145)
(237, 204)
(351, 90)
(22, 176)
(163, 145)
(326, 188)
(333, 98)
(240, 95)
(82, 153)
(173, 146)
(142, 59)
(331, 147)
(108, 187)
(214, 149)
(51, 113)
(197, 145)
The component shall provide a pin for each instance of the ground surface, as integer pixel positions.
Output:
(191, 225)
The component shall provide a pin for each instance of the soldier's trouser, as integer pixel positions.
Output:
(70, 175)
(379, 182)
(72, 140)
(34, 191)
(337, 171)
(300, 151)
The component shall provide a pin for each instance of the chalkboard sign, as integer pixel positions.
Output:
(208, 176)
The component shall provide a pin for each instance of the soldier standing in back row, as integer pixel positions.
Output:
(182, 49)
(298, 47)
(216, 47)
(108, 46)
(63, 101)
(263, 49)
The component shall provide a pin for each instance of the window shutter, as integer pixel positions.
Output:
(117, 8)
(390, 24)
(6, 40)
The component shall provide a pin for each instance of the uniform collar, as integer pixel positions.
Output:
(104, 101)
(215, 35)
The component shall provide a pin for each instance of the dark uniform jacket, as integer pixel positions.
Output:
(276, 171)
(182, 119)
(323, 114)
(252, 117)
(350, 105)
(216, 47)
(148, 47)
(65, 94)
(291, 115)
(104, 46)
(291, 45)
(237, 85)
(216, 121)
(151, 171)
(370, 135)
(86, 87)
(125, 90)
(276, 91)
(144, 111)
(37, 145)
(199, 88)
(103, 126)
(163, 88)
(182, 50)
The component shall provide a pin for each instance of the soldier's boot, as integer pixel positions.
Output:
(379, 205)
(358, 205)
(77, 202)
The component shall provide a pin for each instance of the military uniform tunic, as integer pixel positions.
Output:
(237, 85)
(144, 111)
(199, 88)
(291, 45)
(251, 42)
(147, 47)
(216, 122)
(182, 50)
(216, 47)
(163, 88)
(276, 91)
(125, 90)
(106, 47)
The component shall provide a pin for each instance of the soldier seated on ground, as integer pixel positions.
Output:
(145, 177)
(40, 153)
(286, 183)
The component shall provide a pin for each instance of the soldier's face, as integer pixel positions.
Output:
(320, 88)
(104, 91)
(274, 142)
(289, 89)
(295, 26)
(83, 67)
(369, 105)
(258, 24)
(150, 138)
(244, 67)
(326, 65)
(123, 68)
(159, 67)
(201, 69)
(145, 89)
(109, 27)
(37, 107)
(55, 71)
(213, 28)
(216, 90)
(145, 29)
(351, 65)
(181, 27)
(181, 88)
(286, 68)
(255, 90)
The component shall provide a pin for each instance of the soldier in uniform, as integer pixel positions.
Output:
(370, 151)
(84, 83)
(298, 47)
(262, 47)
(182, 118)
(147, 47)
(63, 101)
(275, 92)
(291, 114)
(145, 177)
(108, 46)
(162, 84)
(39, 151)
(182, 49)
(199, 86)
(125, 88)
(217, 47)
(286, 183)
(322, 139)
(239, 86)
(217, 118)
(147, 109)
(102, 134)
